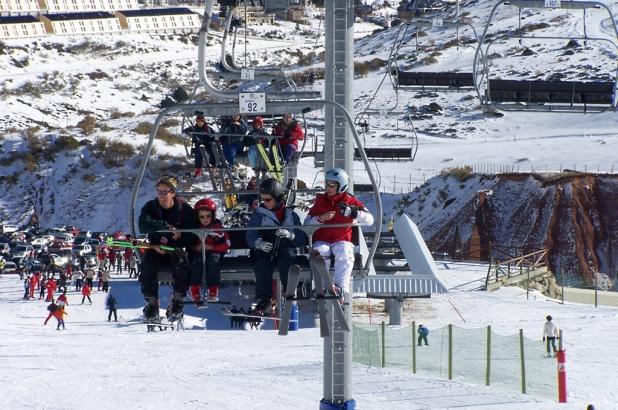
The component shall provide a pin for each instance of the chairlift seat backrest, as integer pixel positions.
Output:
(432, 79)
(565, 92)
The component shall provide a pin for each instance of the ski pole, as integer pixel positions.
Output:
(124, 244)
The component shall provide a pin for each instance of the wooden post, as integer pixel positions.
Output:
(450, 352)
(414, 347)
(523, 361)
(488, 368)
(383, 344)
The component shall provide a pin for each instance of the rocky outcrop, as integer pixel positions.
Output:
(572, 215)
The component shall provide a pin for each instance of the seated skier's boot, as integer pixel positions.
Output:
(151, 310)
(263, 308)
(195, 295)
(213, 293)
(175, 309)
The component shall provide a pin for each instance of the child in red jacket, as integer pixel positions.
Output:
(337, 206)
(215, 245)
(86, 293)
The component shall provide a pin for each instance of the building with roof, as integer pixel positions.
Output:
(177, 19)
(20, 27)
(99, 22)
(68, 6)
(19, 7)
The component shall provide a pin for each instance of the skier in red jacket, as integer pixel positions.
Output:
(86, 293)
(216, 244)
(290, 134)
(337, 206)
(51, 287)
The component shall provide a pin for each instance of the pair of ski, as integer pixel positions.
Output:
(225, 172)
(273, 168)
(323, 294)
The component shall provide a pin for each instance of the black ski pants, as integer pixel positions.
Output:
(109, 316)
(213, 269)
(551, 343)
(155, 262)
(264, 267)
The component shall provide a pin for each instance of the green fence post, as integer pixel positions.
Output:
(523, 361)
(488, 368)
(383, 344)
(414, 347)
(450, 352)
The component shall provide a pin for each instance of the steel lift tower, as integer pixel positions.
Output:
(338, 152)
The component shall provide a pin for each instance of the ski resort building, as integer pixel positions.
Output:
(8, 7)
(64, 6)
(80, 23)
(20, 27)
(159, 20)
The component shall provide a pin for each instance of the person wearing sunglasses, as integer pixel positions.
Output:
(337, 206)
(272, 247)
(166, 212)
(216, 244)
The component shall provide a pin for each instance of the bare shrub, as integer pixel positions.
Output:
(143, 128)
(460, 173)
(89, 177)
(88, 124)
(169, 138)
(66, 143)
(116, 114)
(112, 153)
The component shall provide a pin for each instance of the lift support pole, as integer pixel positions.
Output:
(338, 152)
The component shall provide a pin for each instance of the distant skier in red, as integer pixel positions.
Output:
(86, 293)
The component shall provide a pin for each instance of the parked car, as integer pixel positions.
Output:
(83, 249)
(5, 248)
(6, 228)
(23, 251)
(39, 241)
(58, 260)
(9, 268)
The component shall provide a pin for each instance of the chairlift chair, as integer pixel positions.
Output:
(426, 80)
(544, 95)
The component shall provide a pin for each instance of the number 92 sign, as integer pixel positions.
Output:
(252, 103)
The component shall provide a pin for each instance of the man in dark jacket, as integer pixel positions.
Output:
(232, 132)
(272, 246)
(201, 134)
(166, 212)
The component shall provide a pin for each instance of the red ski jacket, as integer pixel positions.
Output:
(289, 135)
(220, 241)
(325, 204)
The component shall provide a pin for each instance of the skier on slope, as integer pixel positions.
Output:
(272, 213)
(550, 334)
(337, 206)
(166, 212)
(216, 244)
(201, 134)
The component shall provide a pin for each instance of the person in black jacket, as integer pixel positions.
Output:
(232, 132)
(166, 212)
(201, 134)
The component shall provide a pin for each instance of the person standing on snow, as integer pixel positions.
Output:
(86, 293)
(112, 304)
(550, 334)
(216, 244)
(271, 213)
(337, 206)
(166, 212)
(423, 332)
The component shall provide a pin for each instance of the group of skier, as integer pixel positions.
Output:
(234, 136)
(274, 234)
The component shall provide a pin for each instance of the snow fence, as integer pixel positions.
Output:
(478, 356)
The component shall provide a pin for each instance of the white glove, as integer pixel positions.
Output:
(284, 234)
(214, 234)
(263, 245)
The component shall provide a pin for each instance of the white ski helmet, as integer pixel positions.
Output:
(339, 176)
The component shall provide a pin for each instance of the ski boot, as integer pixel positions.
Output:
(151, 311)
(263, 308)
(213, 294)
(195, 295)
(174, 311)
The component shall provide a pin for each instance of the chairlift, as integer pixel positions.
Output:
(544, 95)
(407, 79)
(219, 109)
